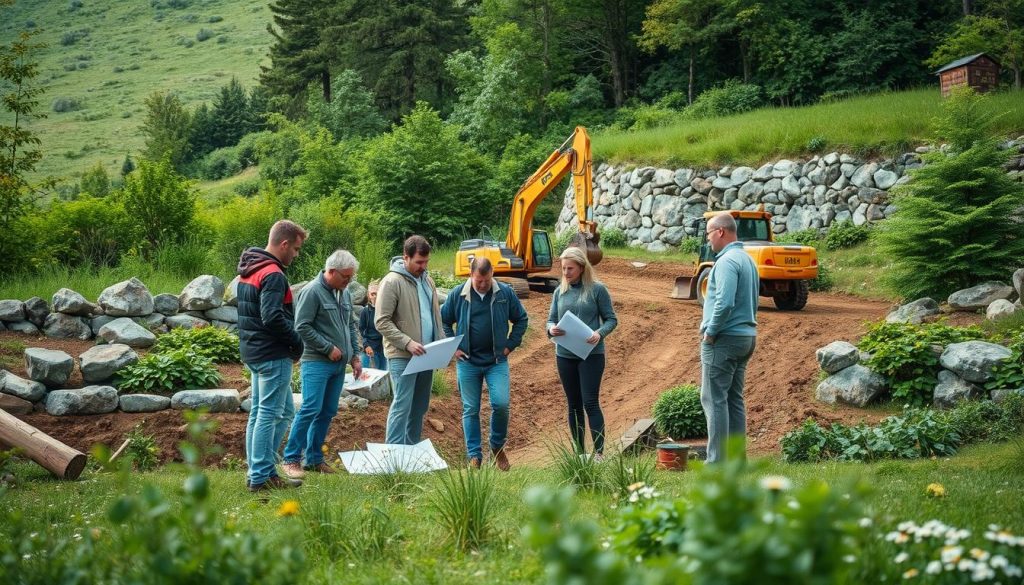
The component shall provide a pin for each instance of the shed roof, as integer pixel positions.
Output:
(964, 61)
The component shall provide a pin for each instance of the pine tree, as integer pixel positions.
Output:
(230, 118)
(201, 135)
(301, 54)
(958, 221)
(127, 166)
(167, 128)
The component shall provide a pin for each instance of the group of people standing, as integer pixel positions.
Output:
(405, 314)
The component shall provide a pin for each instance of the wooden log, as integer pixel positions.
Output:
(56, 457)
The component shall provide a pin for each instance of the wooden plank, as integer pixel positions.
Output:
(58, 458)
(640, 435)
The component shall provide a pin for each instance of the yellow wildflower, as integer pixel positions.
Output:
(936, 490)
(910, 573)
(288, 508)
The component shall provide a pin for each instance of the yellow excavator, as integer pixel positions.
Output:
(526, 253)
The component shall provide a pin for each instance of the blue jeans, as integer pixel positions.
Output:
(380, 362)
(471, 381)
(321, 389)
(409, 403)
(723, 366)
(272, 410)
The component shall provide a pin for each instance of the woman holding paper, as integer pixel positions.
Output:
(588, 300)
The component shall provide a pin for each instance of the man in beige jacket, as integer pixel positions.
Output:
(408, 317)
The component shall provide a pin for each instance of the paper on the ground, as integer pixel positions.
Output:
(439, 355)
(381, 458)
(369, 376)
(576, 335)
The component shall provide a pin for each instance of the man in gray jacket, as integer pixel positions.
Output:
(327, 325)
(408, 317)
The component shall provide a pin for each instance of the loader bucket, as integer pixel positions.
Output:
(685, 288)
(589, 244)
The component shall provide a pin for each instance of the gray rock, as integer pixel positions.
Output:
(185, 322)
(129, 298)
(864, 176)
(663, 178)
(790, 186)
(231, 293)
(166, 304)
(632, 219)
(751, 191)
(674, 235)
(50, 367)
(219, 400)
(980, 297)
(657, 246)
(2, 326)
(764, 172)
(856, 385)
(667, 210)
(153, 321)
(61, 326)
(799, 219)
(36, 311)
(885, 179)
(127, 332)
(25, 389)
(100, 363)
(13, 404)
(97, 323)
(973, 360)
(773, 186)
(230, 314)
(204, 292)
(1000, 395)
(12, 310)
(1018, 282)
(88, 400)
(953, 389)
(143, 403)
(26, 327)
(352, 402)
(682, 177)
(70, 302)
(999, 309)
(783, 168)
(741, 175)
(246, 405)
(914, 312)
(837, 356)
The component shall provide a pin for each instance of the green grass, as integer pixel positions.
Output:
(643, 255)
(857, 271)
(132, 50)
(216, 191)
(980, 490)
(885, 123)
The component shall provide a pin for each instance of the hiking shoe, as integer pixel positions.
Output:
(275, 483)
(293, 470)
(474, 462)
(500, 460)
(321, 467)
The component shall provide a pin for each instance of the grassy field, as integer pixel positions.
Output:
(108, 56)
(885, 123)
(416, 546)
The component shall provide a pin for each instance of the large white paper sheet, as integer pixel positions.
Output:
(439, 355)
(576, 335)
(382, 458)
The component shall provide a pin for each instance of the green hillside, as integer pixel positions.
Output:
(108, 55)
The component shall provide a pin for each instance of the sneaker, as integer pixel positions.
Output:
(500, 460)
(293, 470)
(321, 467)
(276, 482)
(474, 462)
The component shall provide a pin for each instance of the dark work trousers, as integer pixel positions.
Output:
(581, 380)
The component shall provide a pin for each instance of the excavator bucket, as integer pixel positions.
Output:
(685, 288)
(589, 244)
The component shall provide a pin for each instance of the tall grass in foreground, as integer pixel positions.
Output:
(886, 123)
(465, 502)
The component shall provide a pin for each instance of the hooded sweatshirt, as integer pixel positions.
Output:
(266, 316)
(407, 310)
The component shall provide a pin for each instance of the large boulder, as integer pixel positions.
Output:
(915, 312)
(1018, 282)
(856, 385)
(100, 363)
(219, 400)
(837, 356)
(183, 321)
(97, 323)
(14, 405)
(51, 367)
(166, 304)
(70, 302)
(999, 309)
(127, 332)
(25, 389)
(225, 314)
(61, 326)
(204, 292)
(12, 310)
(88, 400)
(981, 296)
(36, 311)
(143, 402)
(130, 298)
(374, 385)
(26, 327)
(231, 293)
(953, 389)
(973, 360)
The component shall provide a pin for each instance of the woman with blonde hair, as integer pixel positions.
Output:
(588, 299)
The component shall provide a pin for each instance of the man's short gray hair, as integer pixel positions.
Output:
(724, 221)
(341, 260)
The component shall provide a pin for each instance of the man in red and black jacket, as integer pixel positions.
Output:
(269, 344)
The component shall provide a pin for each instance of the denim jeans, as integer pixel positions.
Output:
(409, 403)
(272, 410)
(581, 381)
(321, 389)
(723, 366)
(379, 361)
(471, 381)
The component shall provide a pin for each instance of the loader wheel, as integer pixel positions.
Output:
(702, 285)
(793, 299)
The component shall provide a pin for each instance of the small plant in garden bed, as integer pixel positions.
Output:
(678, 413)
(219, 345)
(166, 372)
(142, 450)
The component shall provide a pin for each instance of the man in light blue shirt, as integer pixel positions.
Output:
(729, 331)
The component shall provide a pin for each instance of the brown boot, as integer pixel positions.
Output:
(500, 460)
(474, 462)
(293, 470)
(275, 483)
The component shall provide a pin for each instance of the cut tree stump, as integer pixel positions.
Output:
(58, 458)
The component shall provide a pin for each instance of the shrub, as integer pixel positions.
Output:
(613, 238)
(161, 202)
(215, 19)
(87, 230)
(678, 413)
(336, 228)
(845, 234)
(816, 144)
(74, 5)
(66, 104)
(807, 237)
(247, 188)
(73, 36)
(220, 164)
(730, 98)
(825, 280)
(166, 372)
(142, 450)
(563, 240)
(465, 503)
(248, 148)
(239, 224)
(217, 344)
(204, 34)
(690, 245)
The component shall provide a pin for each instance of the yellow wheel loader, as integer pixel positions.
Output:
(785, 270)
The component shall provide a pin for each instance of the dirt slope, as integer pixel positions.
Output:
(655, 347)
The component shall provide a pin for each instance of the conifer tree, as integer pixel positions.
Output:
(300, 54)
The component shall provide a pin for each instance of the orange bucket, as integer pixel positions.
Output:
(673, 456)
